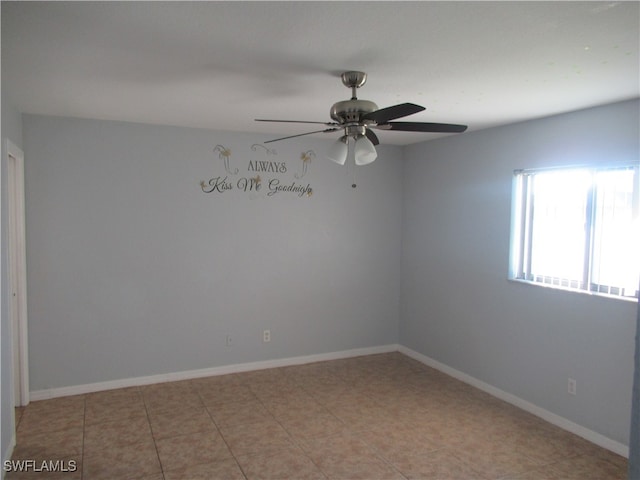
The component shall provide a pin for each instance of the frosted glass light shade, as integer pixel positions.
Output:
(364, 151)
(338, 151)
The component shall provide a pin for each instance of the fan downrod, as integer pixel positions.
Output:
(353, 80)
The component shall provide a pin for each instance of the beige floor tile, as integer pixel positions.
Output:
(168, 398)
(358, 417)
(264, 391)
(116, 434)
(443, 428)
(114, 404)
(393, 444)
(119, 395)
(230, 393)
(166, 424)
(304, 425)
(317, 375)
(618, 460)
(330, 393)
(290, 463)
(569, 444)
(550, 446)
(238, 413)
(293, 403)
(350, 398)
(346, 457)
(52, 415)
(99, 413)
(256, 438)
(440, 465)
(38, 422)
(541, 473)
(48, 445)
(336, 449)
(219, 470)
(126, 462)
(324, 381)
(186, 451)
(58, 406)
(495, 460)
(588, 468)
(363, 469)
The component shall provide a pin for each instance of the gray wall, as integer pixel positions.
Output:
(457, 305)
(134, 271)
(12, 130)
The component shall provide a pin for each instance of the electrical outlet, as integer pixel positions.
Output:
(229, 341)
(571, 386)
(266, 336)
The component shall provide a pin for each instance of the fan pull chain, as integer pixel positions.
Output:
(353, 175)
(351, 163)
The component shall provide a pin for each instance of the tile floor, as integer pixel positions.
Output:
(374, 417)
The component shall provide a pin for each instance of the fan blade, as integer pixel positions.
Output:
(327, 130)
(330, 124)
(423, 127)
(390, 113)
(372, 137)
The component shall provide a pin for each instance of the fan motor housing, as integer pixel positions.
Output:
(350, 111)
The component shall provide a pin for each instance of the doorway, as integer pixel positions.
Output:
(17, 272)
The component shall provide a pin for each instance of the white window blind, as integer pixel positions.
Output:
(578, 229)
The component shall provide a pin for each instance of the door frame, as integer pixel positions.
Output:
(17, 273)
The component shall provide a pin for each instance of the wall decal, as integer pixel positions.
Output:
(306, 159)
(225, 155)
(274, 169)
(269, 151)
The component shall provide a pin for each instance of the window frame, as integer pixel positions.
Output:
(521, 232)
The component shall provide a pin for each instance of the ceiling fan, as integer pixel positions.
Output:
(357, 118)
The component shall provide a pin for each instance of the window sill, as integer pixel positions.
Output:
(573, 290)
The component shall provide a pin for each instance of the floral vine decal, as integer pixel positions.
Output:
(270, 151)
(306, 159)
(225, 154)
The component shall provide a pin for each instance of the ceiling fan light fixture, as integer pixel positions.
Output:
(339, 150)
(364, 151)
(358, 117)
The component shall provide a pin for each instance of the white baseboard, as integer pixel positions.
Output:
(206, 372)
(546, 415)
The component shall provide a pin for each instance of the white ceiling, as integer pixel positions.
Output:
(219, 65)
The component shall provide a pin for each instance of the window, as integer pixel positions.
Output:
(578, 229)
